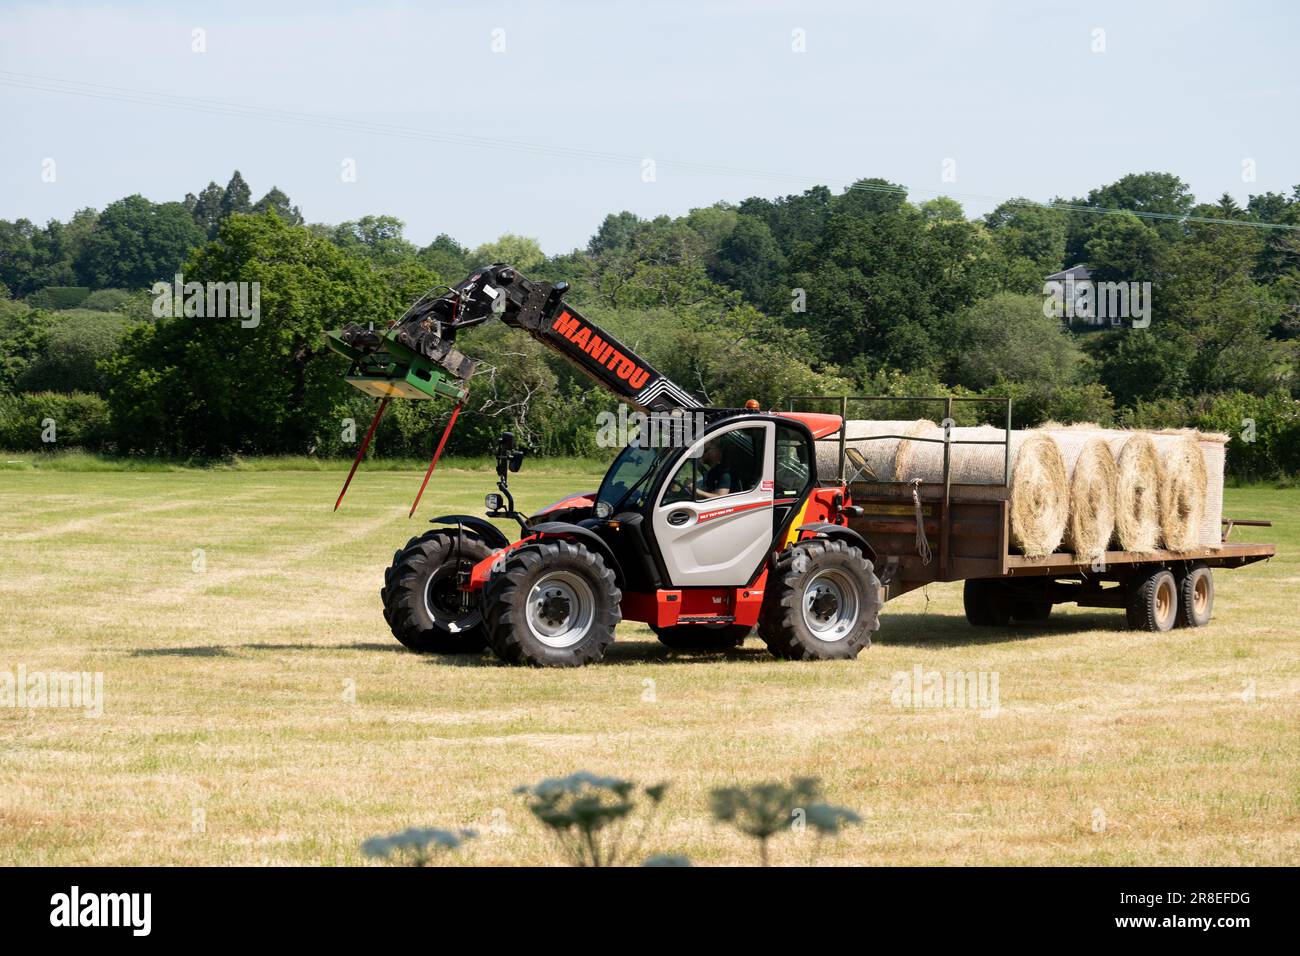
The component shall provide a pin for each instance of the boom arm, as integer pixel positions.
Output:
(538, 308)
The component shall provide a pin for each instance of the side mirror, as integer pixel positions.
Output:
(506, 443)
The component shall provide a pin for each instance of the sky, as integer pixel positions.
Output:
(541, 118)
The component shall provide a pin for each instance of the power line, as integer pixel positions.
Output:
(452, 137)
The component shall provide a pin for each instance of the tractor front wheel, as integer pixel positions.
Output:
(422, 603)
(554, 605)
(822, 603)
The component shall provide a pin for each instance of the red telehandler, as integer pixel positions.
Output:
(711, 524)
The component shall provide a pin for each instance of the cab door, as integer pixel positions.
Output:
(713, 517)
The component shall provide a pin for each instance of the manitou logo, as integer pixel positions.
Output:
(601, 351)
(103, 909)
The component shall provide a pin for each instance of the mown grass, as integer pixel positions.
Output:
(257, 710)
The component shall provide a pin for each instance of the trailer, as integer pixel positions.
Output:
(929, 533)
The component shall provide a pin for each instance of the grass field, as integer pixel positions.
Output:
(256, 709)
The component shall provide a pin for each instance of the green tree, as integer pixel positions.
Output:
(276, 201)
(236, 198)
(136, 243)
(212, 386)
(523, 253)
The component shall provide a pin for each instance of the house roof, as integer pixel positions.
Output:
(1074, 272)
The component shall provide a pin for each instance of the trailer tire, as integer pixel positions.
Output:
(420, 595)
(1031, 612)
(702, 637)
(1195, 596)
(987, 602)
(1152, 601)
(555, 604)
(822, 602)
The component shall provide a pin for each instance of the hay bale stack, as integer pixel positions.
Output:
(1137, 492)
(1183, 484)
(1039, 492)
(1093, 477)
(879, 453)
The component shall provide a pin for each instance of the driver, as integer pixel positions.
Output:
(717, 479)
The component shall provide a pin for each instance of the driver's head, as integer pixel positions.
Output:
(712, 453)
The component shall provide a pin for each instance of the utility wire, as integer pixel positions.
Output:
(453, 137)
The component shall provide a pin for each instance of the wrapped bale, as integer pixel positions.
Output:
(1093, 476)
(879, 453)
(1182, 488)
(1214, 451)
(1039, 488)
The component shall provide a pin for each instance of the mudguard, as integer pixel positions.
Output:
(485, 530)
(573, 532)
(839, 532)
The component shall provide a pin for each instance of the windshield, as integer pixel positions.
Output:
(629, 479)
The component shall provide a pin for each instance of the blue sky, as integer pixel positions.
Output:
(1013, 93)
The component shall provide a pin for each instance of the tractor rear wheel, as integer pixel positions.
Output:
(555, 604)
(422, 603)
(702, 637)
(822, 602)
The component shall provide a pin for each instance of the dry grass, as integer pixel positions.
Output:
(225, 693)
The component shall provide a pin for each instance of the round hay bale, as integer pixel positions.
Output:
(1090, 463)
(1182, 489)
(1039, 492)
(1137, 493)
(861, 434)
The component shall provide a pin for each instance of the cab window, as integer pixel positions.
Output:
(730, 464)
(794, 466)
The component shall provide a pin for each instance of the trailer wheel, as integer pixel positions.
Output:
(822, 603)
(554, 605)
(1195, 596)
(1031, 611)
(702, 637)
(421, 600)
(987, 602)
(1152, 601)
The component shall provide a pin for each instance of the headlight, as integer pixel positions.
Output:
(603, 509)
(493, 502)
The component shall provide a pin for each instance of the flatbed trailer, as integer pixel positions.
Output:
(926, 533)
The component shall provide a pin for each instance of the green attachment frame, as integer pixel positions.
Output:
(394, 371)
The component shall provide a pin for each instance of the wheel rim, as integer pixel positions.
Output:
(442, 601)
(1201, 595)
(561, 608)
(830, 605)
(1164, 600)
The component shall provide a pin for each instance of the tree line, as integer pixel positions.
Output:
(859, 292)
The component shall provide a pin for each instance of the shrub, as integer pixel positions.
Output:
(58, 297)
(79, 420)
(72, 350)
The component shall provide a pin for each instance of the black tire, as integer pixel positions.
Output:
(1031, 612)
(1152, 601)
(842, 593)
(1195, 596)
(421, 598)
(574, 608)
(702, 637)
(987, 602)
